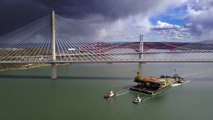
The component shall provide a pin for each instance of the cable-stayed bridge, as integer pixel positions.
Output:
(50, 40)
(105, 53)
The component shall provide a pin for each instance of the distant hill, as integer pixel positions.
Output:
(207, 41)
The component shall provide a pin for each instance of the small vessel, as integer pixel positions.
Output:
(137, 100)
(109, 94)
(181, 81)
(178, 79)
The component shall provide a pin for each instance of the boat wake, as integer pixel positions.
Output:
(178, 84)
(121, 93)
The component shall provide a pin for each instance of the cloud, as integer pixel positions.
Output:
(110, 20)
(198, 23)
(164, 31)
(200, 19)
(93, 28)
(124, 29)
(92, 19)
(163, 25)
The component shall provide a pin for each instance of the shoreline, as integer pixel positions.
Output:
(24, 67)
(29, 66)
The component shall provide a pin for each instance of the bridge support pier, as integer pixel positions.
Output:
(140, 55)
(53, 71)
(141, 47)
(53, 66)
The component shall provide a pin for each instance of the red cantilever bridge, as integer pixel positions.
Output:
(103, 47)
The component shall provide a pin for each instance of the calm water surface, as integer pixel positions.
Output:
(78, 93)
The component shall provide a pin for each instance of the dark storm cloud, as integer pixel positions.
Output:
(102, 18)
(110, 9)
(15, 14)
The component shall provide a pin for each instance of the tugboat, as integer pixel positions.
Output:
(137, 100)
(110, 94)
(178, 79)
(181, 81)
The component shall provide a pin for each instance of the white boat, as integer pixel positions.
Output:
(110, 94)
(137, 100)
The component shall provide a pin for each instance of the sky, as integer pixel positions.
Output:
(118, 20)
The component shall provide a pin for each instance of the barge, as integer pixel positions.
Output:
(151, 85)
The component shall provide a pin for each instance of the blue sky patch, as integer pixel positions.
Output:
(175, 16)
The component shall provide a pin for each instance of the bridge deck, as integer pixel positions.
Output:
(133, 57)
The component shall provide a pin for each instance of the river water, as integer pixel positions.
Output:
(78, 92)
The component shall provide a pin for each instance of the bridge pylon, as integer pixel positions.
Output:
(141, 47)
(53, 65)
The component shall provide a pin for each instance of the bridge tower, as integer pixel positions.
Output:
(141, 47)
(53, 66)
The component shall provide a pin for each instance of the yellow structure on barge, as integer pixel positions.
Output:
(151, 84)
